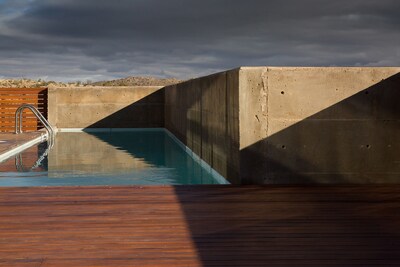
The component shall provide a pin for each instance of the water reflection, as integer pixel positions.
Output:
(32, 159)
(140, 157)
(85, 153)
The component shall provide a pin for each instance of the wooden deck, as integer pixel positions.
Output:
(200, 226)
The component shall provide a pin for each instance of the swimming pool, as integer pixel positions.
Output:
(139, 157)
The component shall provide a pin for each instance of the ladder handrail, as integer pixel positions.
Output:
(42, 119)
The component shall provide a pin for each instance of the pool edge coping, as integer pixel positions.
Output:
(20, 148)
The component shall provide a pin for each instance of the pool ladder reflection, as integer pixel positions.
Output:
(19, 165)
(18, 129)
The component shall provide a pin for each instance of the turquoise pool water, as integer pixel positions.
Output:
(146, 157)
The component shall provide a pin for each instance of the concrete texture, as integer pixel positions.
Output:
(319, 125)
(203, 114)
(106, 107)
(263, 125)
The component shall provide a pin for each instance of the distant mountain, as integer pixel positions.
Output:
(28, 83)
(138, 81)
(129, 81)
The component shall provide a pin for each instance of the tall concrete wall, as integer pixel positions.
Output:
(319, 125)
(203, 114)
(106, 107)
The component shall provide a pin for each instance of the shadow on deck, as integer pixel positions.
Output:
(200, 226)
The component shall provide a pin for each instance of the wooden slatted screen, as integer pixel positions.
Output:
(12, 98)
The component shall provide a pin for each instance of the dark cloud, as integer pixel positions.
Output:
(101, 39)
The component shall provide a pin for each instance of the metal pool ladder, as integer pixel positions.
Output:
(18, 122)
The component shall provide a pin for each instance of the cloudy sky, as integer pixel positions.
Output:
(71, 40)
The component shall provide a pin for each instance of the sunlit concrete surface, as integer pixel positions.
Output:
(106, 107)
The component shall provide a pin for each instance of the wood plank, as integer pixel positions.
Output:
(24, 114)
(23, 96)
(22, 90)
(11, 117)
(22, 101)
(200, 226)
(32, 122)
(12, 98)
(11, 111)
(15, 105)
(24, 129)
(24, 93)
(10, 114)
(11, 108)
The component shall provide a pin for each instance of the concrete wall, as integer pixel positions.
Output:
(106, 107)
(319, 125)
(203, 114)
(263, 125)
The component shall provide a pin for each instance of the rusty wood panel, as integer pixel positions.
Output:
(11, 110)
(24, 93)
(31, 122)
(21, 101)
(12, 98)
(14, 106)
(9, 107)
(10, 117)
(22, 90)
(10, 129)
(200, 226)
(25, 113)
(18, 98)
(11, 113)
(17, 94)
